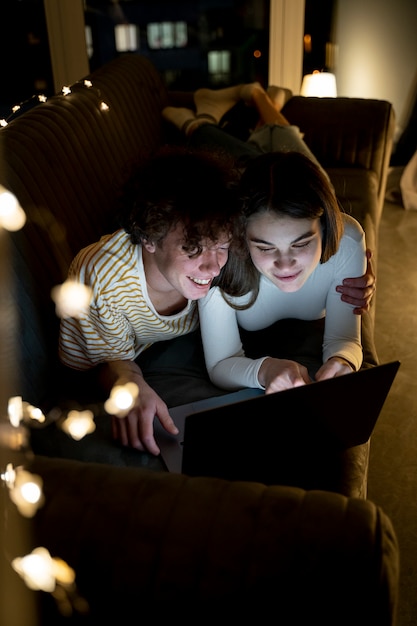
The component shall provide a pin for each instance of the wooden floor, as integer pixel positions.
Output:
(393, 463)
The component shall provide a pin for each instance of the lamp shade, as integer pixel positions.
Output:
(319, 84)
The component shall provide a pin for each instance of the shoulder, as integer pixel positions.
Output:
(351, 228)
(112, 254)
(114, 245)
(216, 299)
(213, 296)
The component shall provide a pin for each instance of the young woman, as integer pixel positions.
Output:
(300, 246)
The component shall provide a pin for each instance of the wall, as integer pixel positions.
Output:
(376, 40)
(377, 52)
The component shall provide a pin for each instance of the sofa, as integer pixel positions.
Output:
(145, 543)
(67, 159)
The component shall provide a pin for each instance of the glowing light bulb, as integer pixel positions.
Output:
(36, 569)
(31, 492)
(66, 90)
(32, 413)
(121, 400)
(78, 424)
(104, 106)
(9, 476)
(15, 410)
(26, 492)
(71, 299)
(12, 216)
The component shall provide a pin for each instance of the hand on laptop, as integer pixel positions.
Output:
(279, 374)
(336, 366)
(136, 429)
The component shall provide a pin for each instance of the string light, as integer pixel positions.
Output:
(25, 490)
(42, 572)
(65, 91)
(12, 216)
(121, 399)
(78, 424)
(15, 410)
(71, 299)
(39, 570)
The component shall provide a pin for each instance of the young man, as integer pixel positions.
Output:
(180, 218)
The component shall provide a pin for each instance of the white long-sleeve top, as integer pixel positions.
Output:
(227, 365)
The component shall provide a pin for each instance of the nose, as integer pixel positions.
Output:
(212, 262)
(283, 261)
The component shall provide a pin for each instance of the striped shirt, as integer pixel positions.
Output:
(121, 321)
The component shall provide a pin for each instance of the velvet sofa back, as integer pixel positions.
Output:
(163, 546)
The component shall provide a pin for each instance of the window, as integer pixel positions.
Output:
(192, 43)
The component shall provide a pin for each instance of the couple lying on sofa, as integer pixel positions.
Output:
(230, 240)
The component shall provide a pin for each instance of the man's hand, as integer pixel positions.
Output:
(280, 374)
(136, 428)
(359, 291)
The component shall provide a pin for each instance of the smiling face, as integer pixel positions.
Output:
(284, 249)
(169, 267)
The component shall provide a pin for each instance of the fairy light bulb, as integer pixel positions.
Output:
(78, 424)
(72, 299)
(26, 492)
(15, 410)
(31, 492)
(12, 216)
(9, 475)
(121, 400)
(36, 569)
(32, 413)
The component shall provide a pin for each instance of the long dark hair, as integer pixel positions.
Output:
(285, 183)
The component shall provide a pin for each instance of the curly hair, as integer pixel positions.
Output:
(196, 188)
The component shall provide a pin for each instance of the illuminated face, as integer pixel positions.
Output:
(285, 249)
(169, 267)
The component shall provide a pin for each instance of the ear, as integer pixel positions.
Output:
(149, 246)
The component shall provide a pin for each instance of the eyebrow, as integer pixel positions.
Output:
(309, 233)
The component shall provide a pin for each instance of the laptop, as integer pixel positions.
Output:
(248, 435)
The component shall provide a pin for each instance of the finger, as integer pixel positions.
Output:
(167, 422)
(133, 428)
(357, 296)
(121, 432)
(360, 310)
